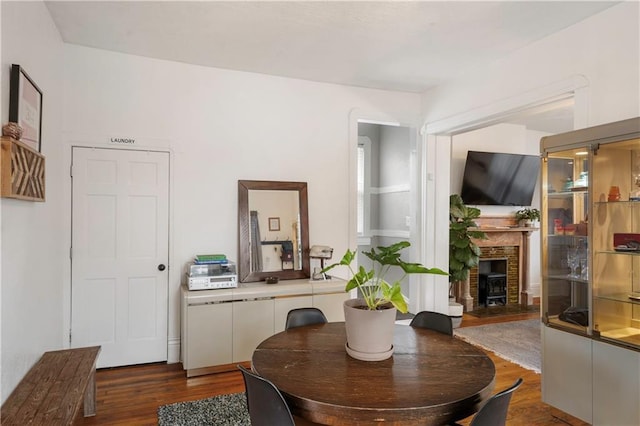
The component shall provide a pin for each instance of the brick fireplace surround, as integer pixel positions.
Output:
(506, 241)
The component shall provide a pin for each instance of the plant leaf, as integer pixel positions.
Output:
(394, 295)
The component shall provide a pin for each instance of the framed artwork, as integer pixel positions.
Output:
(274, 224)
(25, 106)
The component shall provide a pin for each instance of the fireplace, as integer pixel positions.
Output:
(492, 289)
(494, 259)
(505, 251)
(492, 282)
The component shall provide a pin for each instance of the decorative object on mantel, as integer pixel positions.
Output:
(528, 216)
(25, 107)
(12, 130)
(21, 171)
(370, 319)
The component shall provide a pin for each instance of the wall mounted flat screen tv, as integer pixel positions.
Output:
(499, 179)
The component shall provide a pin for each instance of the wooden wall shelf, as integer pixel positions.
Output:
(21, 171)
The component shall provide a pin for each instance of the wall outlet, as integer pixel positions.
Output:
(407, 220)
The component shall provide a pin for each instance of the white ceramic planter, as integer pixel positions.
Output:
(369, 333)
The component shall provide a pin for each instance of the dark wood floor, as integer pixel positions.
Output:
(132, 395)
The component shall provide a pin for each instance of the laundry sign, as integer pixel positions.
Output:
(122, 141)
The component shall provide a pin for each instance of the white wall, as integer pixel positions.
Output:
(34, 247)
(604, 49)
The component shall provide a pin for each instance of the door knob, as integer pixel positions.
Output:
(161, 267)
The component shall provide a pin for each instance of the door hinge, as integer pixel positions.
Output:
(69, 337)
(70, 252)
(71, 170)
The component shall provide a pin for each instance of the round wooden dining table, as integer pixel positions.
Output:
(431, 379)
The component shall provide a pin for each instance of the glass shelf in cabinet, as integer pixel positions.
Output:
(629, 336)
(616, 252)
(618, 203)
(628, 297)
(566, 277)
(568, 237)
(565, 194)
(556, 322)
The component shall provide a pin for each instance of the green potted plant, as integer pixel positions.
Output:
(528, 216)
(375, 308)
(464, 253)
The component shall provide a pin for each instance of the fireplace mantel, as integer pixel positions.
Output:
(503, 231)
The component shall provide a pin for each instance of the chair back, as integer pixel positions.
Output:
(304, 316)
(266, 404)
(433, 321)
(494, 412)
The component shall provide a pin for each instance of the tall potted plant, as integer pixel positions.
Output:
(464, 253)
(370, 318)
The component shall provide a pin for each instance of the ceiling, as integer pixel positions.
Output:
(401, 46)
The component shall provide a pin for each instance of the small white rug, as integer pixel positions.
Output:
(515, 341)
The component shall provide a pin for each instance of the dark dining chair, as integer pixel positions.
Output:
(494, 412)
(433, 321)
(265, 403)
(304, 316)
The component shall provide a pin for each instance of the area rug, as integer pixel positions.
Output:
(494, 311)
(515, 341)
(222, 410)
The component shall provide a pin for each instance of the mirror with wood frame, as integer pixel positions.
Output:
(273, 230)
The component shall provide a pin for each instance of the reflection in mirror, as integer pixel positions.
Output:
(273, 230)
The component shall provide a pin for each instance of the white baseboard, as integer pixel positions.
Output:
(173, 351)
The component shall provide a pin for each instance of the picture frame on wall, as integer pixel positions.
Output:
(274, 224)
(25, 107)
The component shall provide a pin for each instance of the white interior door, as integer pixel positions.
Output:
(120, 234)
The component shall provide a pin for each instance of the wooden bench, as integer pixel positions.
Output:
(54, 389)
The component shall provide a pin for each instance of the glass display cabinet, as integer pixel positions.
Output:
(591, 232)
(590, 239)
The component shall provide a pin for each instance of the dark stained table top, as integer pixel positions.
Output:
(431, 379)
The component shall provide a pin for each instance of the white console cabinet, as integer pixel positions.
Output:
(331, 305)
(223, 327)
(252, 323)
